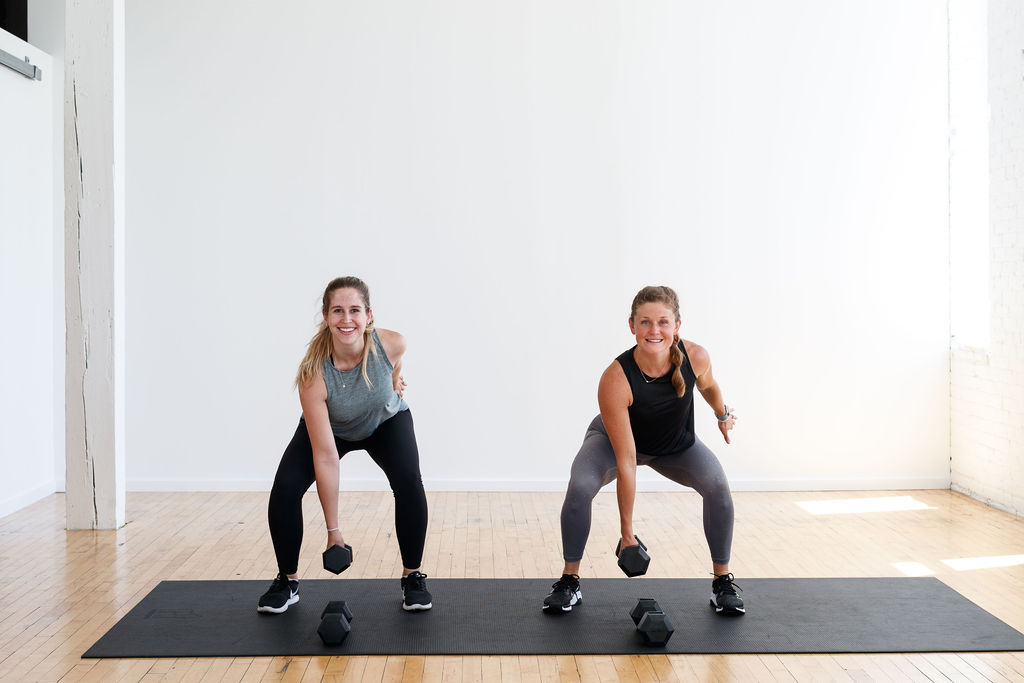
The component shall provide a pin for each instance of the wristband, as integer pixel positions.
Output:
(334, 529)
(723, 418)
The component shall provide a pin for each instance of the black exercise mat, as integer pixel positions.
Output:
(503, 616)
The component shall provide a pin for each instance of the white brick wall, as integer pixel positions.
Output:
(987, 387)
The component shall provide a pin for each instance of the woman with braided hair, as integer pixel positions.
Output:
(646, 402)
(350, 387)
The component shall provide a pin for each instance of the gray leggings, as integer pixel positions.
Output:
(696, 467)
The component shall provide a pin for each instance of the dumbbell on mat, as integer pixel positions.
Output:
(634, 560)
(338, 558)
(651, 622)
(335, 623)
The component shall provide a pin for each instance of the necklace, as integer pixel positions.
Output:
(644, 375)
(344, 382)
(647, 378)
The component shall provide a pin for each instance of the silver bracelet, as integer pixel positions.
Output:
(334, 529)
(724, 418)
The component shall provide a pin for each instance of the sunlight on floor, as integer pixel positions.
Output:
(965, 563)
(913, 568)
(858, 505)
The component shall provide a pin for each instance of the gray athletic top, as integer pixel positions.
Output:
(355, 409)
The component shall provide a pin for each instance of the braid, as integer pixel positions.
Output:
(676, 358)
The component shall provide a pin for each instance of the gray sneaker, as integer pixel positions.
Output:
(564, 594)
(723, 596)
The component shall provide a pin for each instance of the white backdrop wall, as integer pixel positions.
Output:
(46, 32)
(31, 348)
(506, 175)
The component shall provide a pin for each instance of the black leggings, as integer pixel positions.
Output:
(393, 447)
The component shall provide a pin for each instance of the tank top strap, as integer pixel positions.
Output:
(379, 345)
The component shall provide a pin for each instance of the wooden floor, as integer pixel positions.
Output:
(65, 589)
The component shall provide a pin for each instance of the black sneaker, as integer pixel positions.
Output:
(415, 596)
(723, 596)
(564, 594)
(282, 592)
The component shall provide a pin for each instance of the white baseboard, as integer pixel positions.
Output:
(184, 485)
(881, 484)
(15, 503)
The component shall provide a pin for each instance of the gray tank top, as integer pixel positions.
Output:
(356, 409)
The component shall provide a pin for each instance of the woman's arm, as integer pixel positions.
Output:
(394, 346)
(708, 386)
(313, 397)
(614, 397)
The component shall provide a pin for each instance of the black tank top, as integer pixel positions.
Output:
(662, 422)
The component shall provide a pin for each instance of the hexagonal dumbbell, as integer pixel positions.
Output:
(335, 623)
(643, 606)
(651, 622)
(633, 560)
(338, 558)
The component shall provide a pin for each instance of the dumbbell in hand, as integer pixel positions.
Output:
(335, 622)
(633, 560)
(338, 558)
(651, 622)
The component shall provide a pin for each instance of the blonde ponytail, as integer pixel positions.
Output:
(317, 351)
(368, 348)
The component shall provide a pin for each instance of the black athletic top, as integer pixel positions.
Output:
(662, 423)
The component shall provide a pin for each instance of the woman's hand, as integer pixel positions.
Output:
(725, 425)
(625, 542)
(399, 383)
(335, 538)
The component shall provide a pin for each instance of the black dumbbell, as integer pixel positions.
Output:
(335, 622)
(651, 622)
(338, 558)
(633, 560)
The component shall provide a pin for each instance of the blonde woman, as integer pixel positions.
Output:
(350, 387)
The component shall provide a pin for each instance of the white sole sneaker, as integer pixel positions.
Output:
(726, 610)
(277, 610)
(417, 608)
(577, 597)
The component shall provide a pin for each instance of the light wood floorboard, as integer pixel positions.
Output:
(67, 588)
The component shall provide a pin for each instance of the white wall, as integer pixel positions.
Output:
(29, 193)
(988, 383)
(46, 32)
(506, 176)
